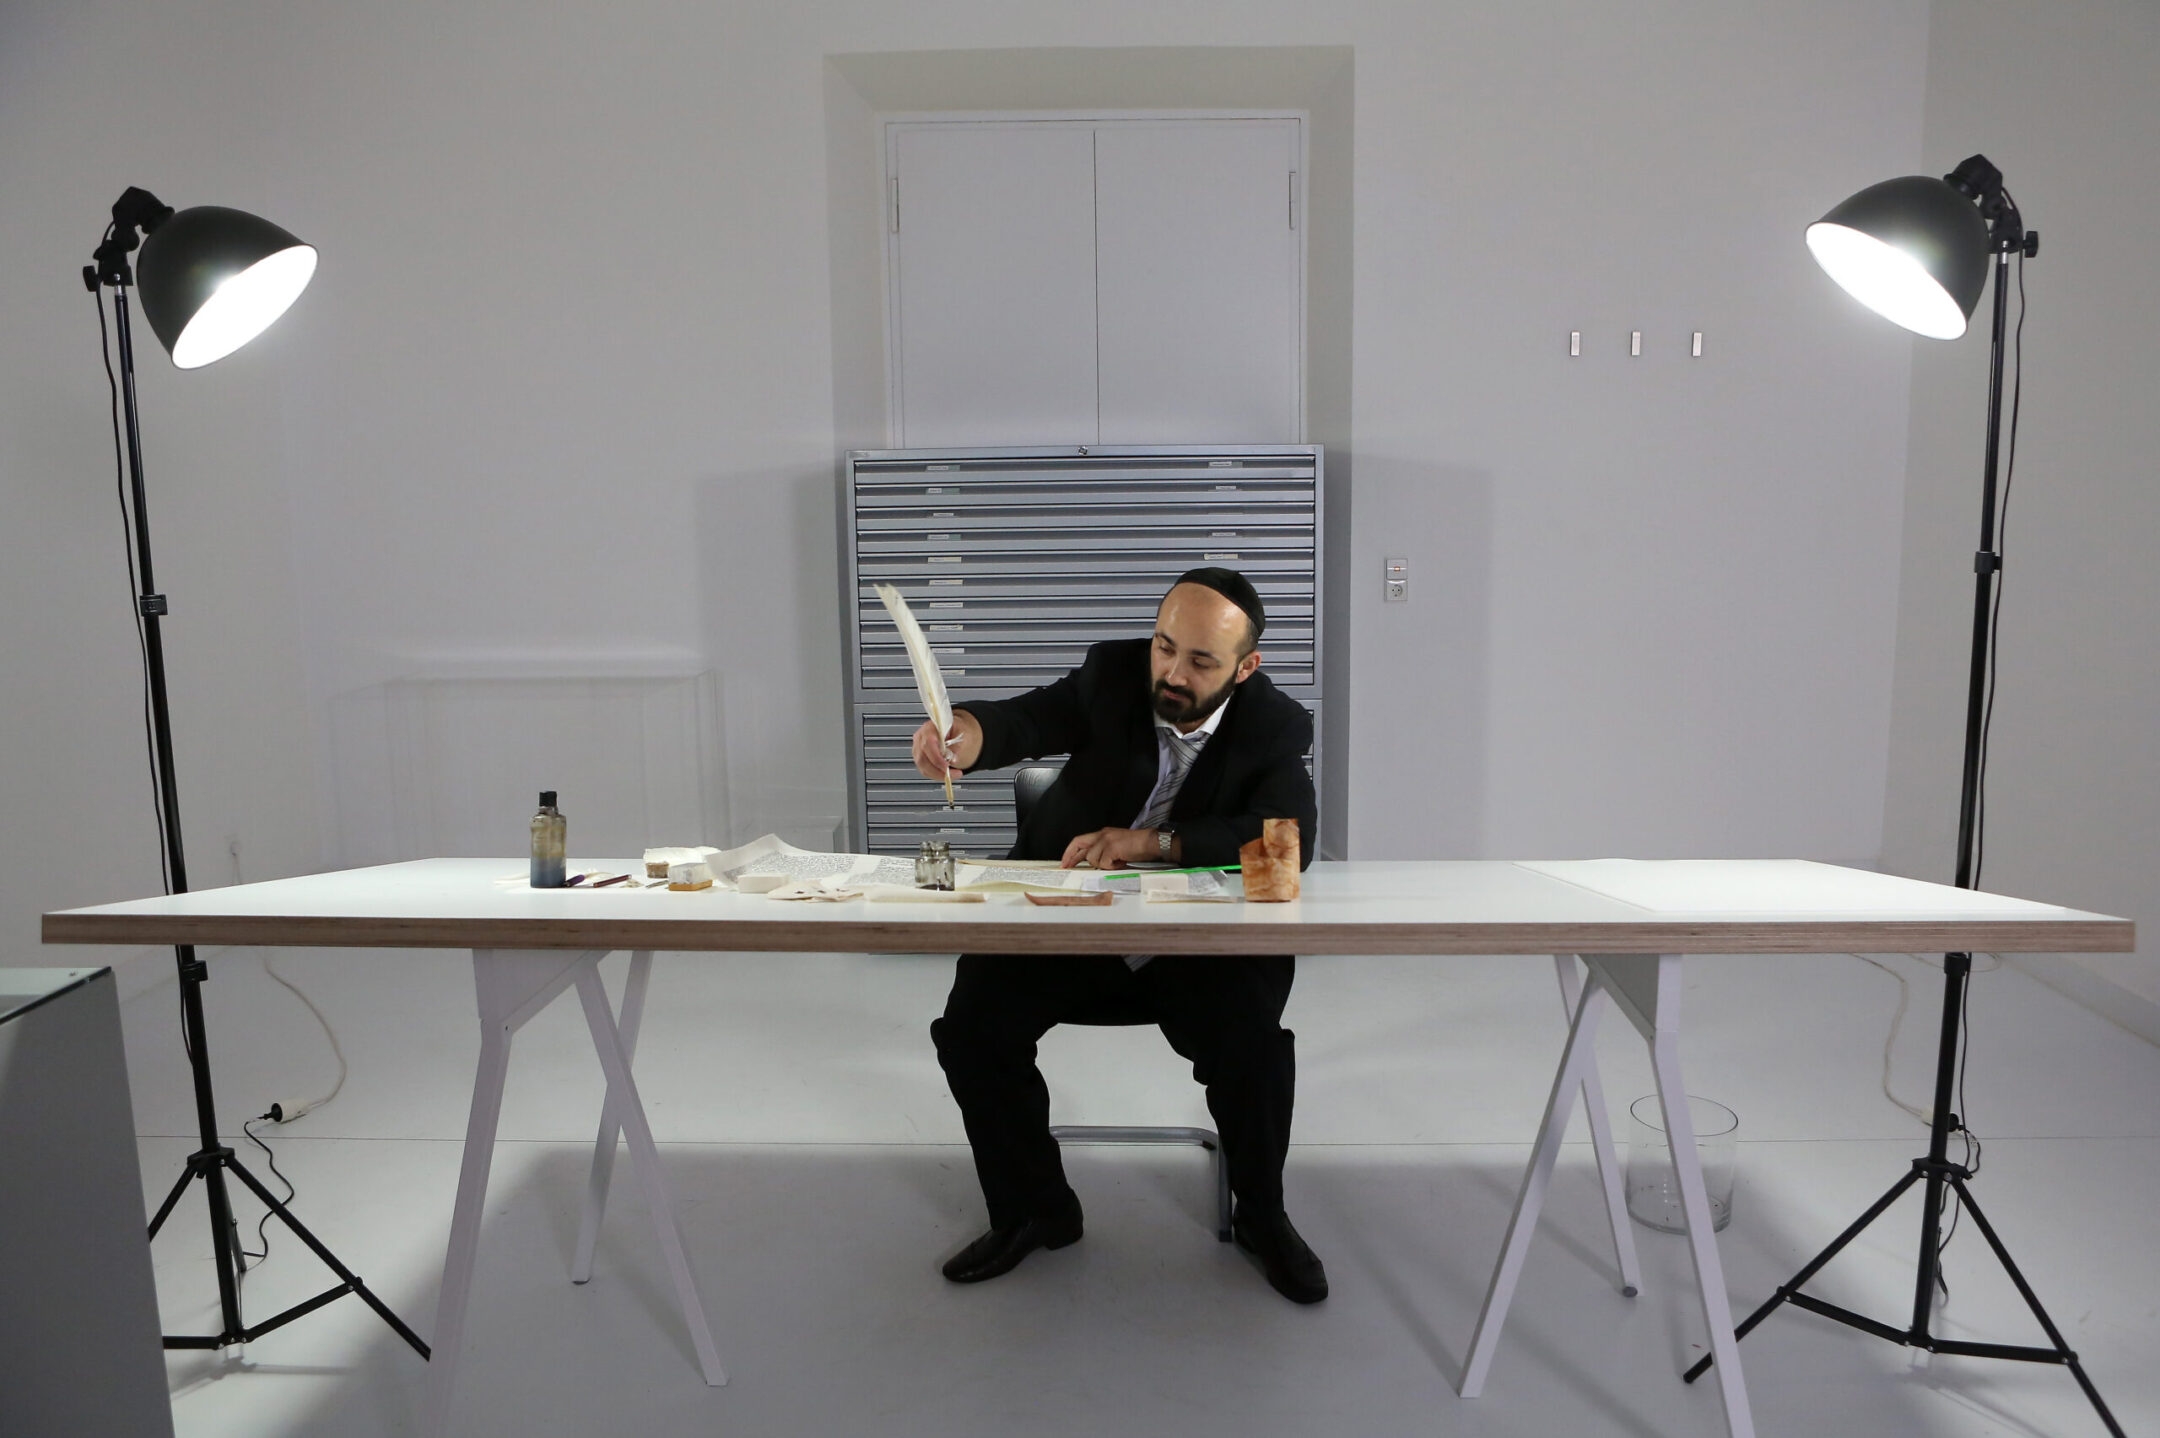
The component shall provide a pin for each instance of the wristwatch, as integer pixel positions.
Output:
(1164, 837)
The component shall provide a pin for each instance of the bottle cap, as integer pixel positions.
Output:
(547, 798)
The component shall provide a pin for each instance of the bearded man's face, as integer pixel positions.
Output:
(1203, 651)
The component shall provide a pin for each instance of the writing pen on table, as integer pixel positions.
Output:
(1204, 869)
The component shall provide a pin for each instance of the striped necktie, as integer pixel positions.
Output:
(1176, 755)
(1178, 751)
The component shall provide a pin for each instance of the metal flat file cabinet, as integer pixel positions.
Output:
(1016, 560)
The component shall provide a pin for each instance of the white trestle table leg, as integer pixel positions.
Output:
(1608, 1162)
(1577, 1056)
(645, 1163)
(603, 1158)
(511, 985)
(1646, 987)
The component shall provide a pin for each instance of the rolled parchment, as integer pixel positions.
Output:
(1270, 863)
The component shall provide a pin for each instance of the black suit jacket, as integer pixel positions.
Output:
(1100, 714)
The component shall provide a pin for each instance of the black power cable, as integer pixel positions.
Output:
(262, 1236)
(142, 640)
(157, 803)
(1973, 1148)
(2002, 527)
(127, 535)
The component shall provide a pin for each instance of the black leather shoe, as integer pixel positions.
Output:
(1292, 1268)
(1000, 1250)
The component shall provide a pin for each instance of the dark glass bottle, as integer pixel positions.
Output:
(548, 840)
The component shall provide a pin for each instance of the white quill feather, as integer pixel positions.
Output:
(929, 679)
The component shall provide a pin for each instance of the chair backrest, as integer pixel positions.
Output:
(1030, 784)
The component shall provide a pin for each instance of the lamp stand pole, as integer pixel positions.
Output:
(1936, 1171)
(214, 1159)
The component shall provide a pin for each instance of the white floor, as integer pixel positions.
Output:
(818, 1164)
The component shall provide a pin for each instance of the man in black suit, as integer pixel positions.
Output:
(1180, 748)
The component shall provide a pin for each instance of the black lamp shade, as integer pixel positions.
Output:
(211, 279)
(1913, 249)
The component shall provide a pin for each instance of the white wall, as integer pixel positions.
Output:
(1315, 79)
(562, 401)
(1656, 593)
(2060, 97)
(76, 819)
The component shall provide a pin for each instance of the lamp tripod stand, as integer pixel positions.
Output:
(1981, 183)
(213, 1160)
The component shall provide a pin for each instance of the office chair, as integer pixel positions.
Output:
(1029, 785)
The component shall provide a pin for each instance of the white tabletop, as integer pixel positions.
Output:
(1362, 907)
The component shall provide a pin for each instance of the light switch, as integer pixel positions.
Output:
(1396, 581)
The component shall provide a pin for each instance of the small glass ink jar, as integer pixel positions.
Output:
(934, 866)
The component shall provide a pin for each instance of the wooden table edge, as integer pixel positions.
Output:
(872, 935)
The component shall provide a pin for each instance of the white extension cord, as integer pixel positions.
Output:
(1897, 1019)
(284, 1111)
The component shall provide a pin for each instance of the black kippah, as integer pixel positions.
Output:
(1232, 586)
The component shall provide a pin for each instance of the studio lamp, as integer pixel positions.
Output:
(1915, 249)
(1919, 250)
(210, 279)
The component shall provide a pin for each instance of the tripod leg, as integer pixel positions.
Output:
(1815, 1264)
(603, 1158)
(165, 1209)
(2032, 1301)
(224, 1245)
(1601, 1144)
(330, 1260)
(1530, 1198)
(224, 1242)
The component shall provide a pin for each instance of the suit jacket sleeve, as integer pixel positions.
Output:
(1049, 720)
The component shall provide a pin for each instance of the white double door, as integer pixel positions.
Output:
(1118, 281)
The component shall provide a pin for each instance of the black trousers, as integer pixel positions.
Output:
(1222, 1012)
